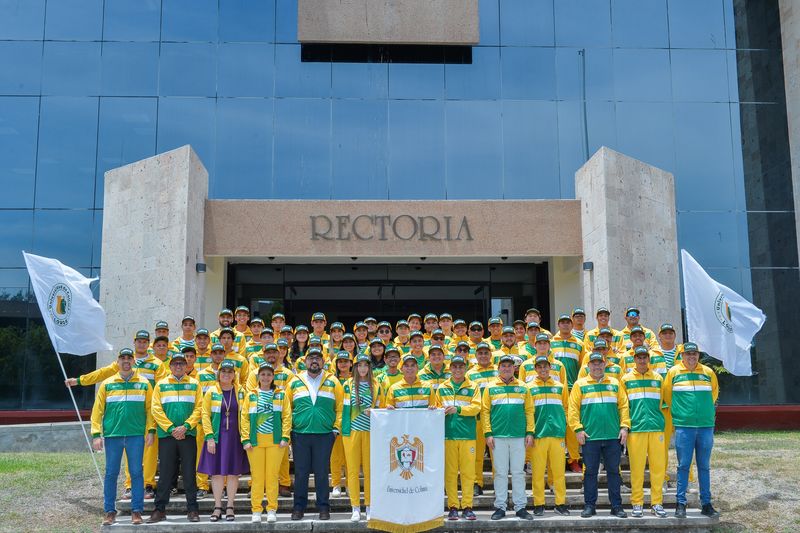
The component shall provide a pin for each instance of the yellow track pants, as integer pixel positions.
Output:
(338, 463)
(480, 449)
(356, 452)
(644, 447)
(548, 452)
(459, 459)
(265, 461)
(201, 479)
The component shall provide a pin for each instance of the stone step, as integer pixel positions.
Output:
(573, 480)
(574, 499)
(340, 522)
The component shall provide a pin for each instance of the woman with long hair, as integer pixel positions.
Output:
(223, 457)
(361, 393)
(266, 429)
(300, 344)
(376, 351)
(343, 368)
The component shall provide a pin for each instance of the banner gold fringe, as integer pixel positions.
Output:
(391, 527)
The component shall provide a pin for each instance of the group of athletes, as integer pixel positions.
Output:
(216, 405)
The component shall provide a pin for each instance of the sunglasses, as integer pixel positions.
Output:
(384, 331)
(476, 329)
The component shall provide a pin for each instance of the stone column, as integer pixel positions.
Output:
(153, 219)
(630, 235)
(790, 40)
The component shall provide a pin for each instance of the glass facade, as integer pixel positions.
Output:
(691, 86)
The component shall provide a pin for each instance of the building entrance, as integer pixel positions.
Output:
(349, 293)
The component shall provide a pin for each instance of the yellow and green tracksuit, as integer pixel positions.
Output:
(355, 435)
(417, 395)
(568, 351)
(122, 407)
(646, 438)
(690, 396)
(455, 339)
(526, 351)
(672, 357)
(429, 375)
(481, 376)
(252, 350)
(504, 350)
(650, 339)
(550, 400)
(387, 380)
(321, 416)
(611, 370)
(266, 421)
(175, 403)
(402, 346)
(657, 363)
(242, 367)
(598, 408)
(203, 360)
(338, 460)
(494, 344)
(239, 342)
(591, 336)
(504, 407)
(459, 438)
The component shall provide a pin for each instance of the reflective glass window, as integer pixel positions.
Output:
(74, 20)
(188, 69)
(129, 69)
(711, 238)
(127, 134)
(286, 21)
(16, 229)
(62, 234)
(19, 118)
(188, 121)
(528, 73)
(302, 166)
(247, 20)
(23, 74)
(530, 149)
(645, 132)
(592, 76)
(22, 19)
(526, 23)
(360, 149)
(360, 80)
(601, 124)
(477, 81)
(416, 80)
(583, 23)
(642, 75)
(67, 150)
(639, 23)
(474, 150)
(189, 20)
(489, 21)
(294, 78)
(572, 148)
(132, 20)
(71, 69)
(244, 148)
(700, 75)
(416, 145)
(773, 239)
(246, 69)
(704, 160)
(696, 24)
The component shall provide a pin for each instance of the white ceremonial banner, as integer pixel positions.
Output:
(406, 469)
(75, 321)
(719, 320)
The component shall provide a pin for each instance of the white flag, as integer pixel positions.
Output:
(74, 319)
(407, 469)
(720, 321)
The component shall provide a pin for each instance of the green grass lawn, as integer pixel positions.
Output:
(755, 482)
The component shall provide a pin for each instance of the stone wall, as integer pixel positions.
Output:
(630, 235)
(153, 219)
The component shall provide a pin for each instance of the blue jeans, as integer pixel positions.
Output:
(697, 442)
(134, 450)
(610, 450)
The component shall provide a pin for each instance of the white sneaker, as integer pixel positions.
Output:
(637, 511)
(336, 492)
(356, 516)
(367, 512)
(256, 518)
(271, 517)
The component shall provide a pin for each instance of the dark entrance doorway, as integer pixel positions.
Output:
(349, 293)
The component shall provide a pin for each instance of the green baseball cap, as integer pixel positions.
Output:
(217, 347)
(690, 347)
(541, 359)
(142, 334)
(202, 332)
(125, 352)
(641, 350)
(458, 360)
(542, 337)
(595, 357)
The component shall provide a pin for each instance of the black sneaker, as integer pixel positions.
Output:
(453, 514)
(619, 512)
(588, 511)
(523, 514)
(680, 510)
(477, 490)
(498, 513)
(468, 514)
(562, 510)
(149, 493)
(538, 510)
(709, 511)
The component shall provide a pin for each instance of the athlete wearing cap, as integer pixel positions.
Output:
(534, 315)
(508, 345)
(579, 323)
(318, 323)
(186, 338)
(430, 323)
(241, 316)
(410, 392)
(226, 321)
(632, 319)
(202, 341)
(459, 333)
(603, 317)
(482, 373)
(434, 372)
(226, 338)
(392, 373)
(567, 348)
(495, 326)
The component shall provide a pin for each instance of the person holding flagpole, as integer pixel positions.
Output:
(121, 422)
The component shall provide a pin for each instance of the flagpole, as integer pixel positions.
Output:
(80, 419)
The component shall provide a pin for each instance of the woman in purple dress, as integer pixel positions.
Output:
(223, 457)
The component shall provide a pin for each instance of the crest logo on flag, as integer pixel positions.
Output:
(723, 312)
(59, 304)
(406, 456)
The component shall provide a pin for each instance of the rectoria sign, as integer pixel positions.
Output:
(386, 227)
